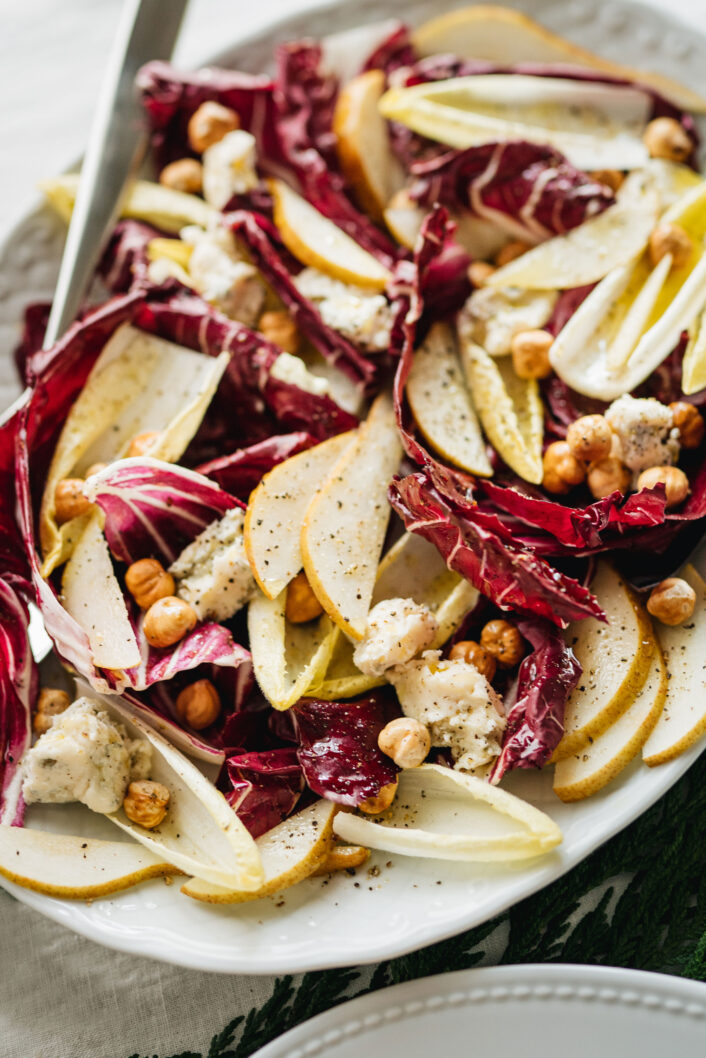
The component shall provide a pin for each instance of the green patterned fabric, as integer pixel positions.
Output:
(639, 901)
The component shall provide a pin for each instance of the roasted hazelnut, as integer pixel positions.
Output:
(478, 272)
(589, 438)
(146, 803)
(209, 124)
(167, 621)
(343, 858)
(611, 178)
(142, 444)
(301, 605)
(675, 482)
(406, 740)
(606, 476)
(382, 800)
(474, 654)
(667, 138)
(511, 251)
(280, 328)
(672, 601)
(50, 703)
(147, 581)
(504, 642)
(562, 470)
(670, 238)
(530, 354)
(186, 174)
(95, 468)
(689, 422)
(199, 705)
(69, 500)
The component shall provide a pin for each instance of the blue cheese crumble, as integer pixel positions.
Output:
(213, 573)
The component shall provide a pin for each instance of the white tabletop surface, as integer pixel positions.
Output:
(62, 995)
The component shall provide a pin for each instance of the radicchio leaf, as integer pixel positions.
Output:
(535, 722)
(125, 259)
(266, 787)
(18, 690)
(239, 472)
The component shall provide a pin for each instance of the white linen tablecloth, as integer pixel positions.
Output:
(62, 996)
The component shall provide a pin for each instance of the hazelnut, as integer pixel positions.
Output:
(69, 500)
(474, 654)
(209, 124)
(689, 422)
(674, 480)
(186, 174)
(530, 354)
(672, 601)
(199, 705)
(478, 272)
(146, 803)
(343, 858)
(142, 444)
(50, 703)
(589, 438)
(381, 801)
(167, 621)
(667, 138)
(302, 605)
(406, 740)
(147, 581)
(562, 470)
(511, 251)
(670, 238)
(606, 476)
(280, 328)
(95, 468)
(504, 642)
(611, 178)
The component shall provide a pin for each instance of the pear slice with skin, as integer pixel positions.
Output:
(345, 524)
(593, 767)
(276, 510)
(444, 814)
(441, 404)
(75, 868)
(615, 658)
(163, 207)
(290, 852)
(316, 241)
(363, 143)
(683, 721)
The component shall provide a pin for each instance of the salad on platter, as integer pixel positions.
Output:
(370, 473)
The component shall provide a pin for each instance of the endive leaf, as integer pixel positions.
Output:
(510, 409)
(443, 814)
(694, 363)
(144, 200)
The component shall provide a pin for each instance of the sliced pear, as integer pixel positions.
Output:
(606, 755)
(144, 200)
(404, 219)
(441, 404)
(363, 143)
(595, 125)
(175, 250)
(444, 814)
(694, 363)
(287, 658)
(75, 868)
(683, 721)
(587, 253)
(276, 511)
(615, 659)
(290, 852)
(316, 241)
(93, 597)
(345, 524)
(127, 394)
(510, 408)
(505, 36)
(411, 569)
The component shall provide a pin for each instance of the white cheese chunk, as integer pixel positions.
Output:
(492, 317)
(229, 168)
(221, 276)
(213, 573)
(292, 369)
(645, 431)
(397, 629)
(364, 317)
(456, 703)
(84, 756)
